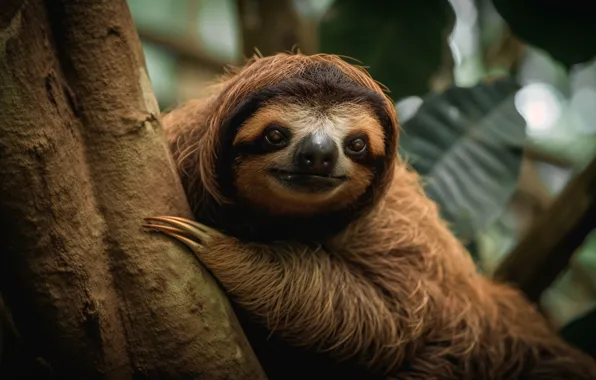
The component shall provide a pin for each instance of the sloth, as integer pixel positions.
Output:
(336, 262)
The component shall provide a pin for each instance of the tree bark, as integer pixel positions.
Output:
(82, 160)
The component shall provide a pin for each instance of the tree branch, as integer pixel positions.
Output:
(186, 49)
(539, 155)
(547, 248)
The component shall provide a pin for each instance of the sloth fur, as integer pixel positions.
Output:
(377, 288)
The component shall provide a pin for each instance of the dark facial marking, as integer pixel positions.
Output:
(274, 138)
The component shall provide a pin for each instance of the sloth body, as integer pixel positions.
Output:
(328, 243)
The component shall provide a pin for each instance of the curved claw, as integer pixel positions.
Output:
(172, 232)
(192, 234)
(212, 232)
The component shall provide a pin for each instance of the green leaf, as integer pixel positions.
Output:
(402, 42)
(467, 144)
(566, 30)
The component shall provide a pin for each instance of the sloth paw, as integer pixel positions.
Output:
(195, 235)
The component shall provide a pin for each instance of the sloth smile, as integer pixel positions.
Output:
(308, 182)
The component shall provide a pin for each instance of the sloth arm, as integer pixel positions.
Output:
(310, 297)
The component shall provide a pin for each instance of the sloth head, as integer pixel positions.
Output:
(307, 156)
(294, 143)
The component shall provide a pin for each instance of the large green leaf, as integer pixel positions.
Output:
(403, 42)
(565, 29)
(467, 144)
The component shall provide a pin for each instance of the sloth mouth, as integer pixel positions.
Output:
(309, 182)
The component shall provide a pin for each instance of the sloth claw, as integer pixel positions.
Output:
(212, 232)
(193, 234)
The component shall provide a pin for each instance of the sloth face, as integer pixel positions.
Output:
(300, 158)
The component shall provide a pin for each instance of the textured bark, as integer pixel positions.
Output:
(82, 161)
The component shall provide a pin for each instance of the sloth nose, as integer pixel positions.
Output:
(316, 154)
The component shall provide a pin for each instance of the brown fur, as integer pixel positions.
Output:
(394, 291)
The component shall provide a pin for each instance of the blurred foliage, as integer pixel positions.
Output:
(402, 42)
(565, 29)
(165, 17)
(162, 66)
(211, 25)
(467, 143)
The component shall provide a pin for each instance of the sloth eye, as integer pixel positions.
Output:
(356, 145)
(275, 137)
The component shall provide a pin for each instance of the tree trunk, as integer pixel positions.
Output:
(274, 26)
(82, 160)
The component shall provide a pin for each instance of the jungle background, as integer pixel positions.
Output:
(497, 119)
(496, 100)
